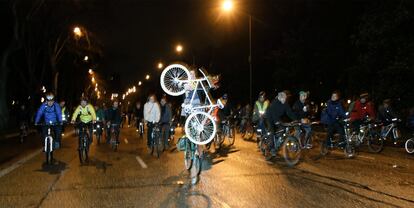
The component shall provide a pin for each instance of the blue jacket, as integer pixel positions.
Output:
(51, 114)
(334, 111)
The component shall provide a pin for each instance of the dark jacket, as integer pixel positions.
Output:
(334, 111)
(298, 110)
(276, 110)
(386, 114)
(166, 114)
(139, 113)
(114, 116)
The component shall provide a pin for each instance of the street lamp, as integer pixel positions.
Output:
(86, 58)
(227, 6)
(90, 71)
(139, 83)
(179, 48)
(77, 31)
(93, 79)
(147, 77)
(160, 65)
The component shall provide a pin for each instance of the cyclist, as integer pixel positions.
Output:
(52, 114)
(87, 116)
(113, 116)
(165, 120)
(301, 110)
(259, 111)
(65, 115)
(138, 113)
(152, 114)
(23, 119)
(245, 115)
(386, 113)
(361, 110)
(331, 117)
(277, 109)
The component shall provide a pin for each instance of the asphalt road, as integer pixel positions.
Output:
(235, 176)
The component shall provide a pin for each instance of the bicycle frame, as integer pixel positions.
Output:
(49, 137)
(209, 106)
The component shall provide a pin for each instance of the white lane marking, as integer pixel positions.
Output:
(366, 157)
(19, 163)
(141, 162)
(126, 141)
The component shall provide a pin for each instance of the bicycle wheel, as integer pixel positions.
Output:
(173, 79)
(375, 143)
(48, 152)
(232, 136)
(188, 160)
(349, 151)
(248, 132)
(291, 150)
(200, 128)
(409, 146)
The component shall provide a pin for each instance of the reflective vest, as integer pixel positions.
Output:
(262, 107)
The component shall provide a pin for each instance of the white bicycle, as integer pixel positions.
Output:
(200, 126)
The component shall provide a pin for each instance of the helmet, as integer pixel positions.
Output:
(225, 96)
(50, 96)
(364, 95)
(262, 94)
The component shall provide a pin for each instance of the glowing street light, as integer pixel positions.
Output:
(93, 79)
(86, 58)
(77, 31)
(179, 48)
(90, 71)
(139, 83)
(227, 5)
(160, 65)
(147, 77)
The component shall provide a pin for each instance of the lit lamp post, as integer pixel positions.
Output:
(228, 6)
(160, 65)
(147, 77)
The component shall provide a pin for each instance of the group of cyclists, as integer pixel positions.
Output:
(265, 115)
(56, 116)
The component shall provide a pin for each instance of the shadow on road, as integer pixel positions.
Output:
(56, 168)
(98, 164)
(184, 194)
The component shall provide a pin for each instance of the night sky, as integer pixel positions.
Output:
(296, 44)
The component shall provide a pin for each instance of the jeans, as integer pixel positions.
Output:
(308, 131)
(165, 132)
(333, 128)
(149, 133)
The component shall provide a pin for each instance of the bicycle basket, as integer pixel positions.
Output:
(181, 143)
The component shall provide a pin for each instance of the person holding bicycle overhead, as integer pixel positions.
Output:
(52, 114)
(152, 115)
(87, 116)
